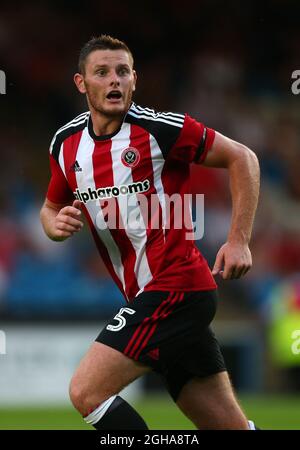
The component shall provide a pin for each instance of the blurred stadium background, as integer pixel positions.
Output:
(229, 64)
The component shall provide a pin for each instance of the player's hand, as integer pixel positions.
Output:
(67, 221)
(233, 261)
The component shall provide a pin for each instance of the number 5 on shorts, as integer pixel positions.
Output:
(120, 319)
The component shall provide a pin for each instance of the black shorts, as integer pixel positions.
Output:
(168, 331)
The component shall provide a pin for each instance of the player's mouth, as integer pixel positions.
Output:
(114, 96)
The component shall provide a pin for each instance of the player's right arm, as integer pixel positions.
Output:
(60, 214)
(61, 221)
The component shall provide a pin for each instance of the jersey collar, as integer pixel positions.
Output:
(105, 137)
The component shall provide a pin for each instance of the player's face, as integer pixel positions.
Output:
(109, 81)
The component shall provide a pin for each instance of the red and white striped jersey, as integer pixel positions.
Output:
(149, 156)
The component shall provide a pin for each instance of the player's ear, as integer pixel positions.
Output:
(79, 81)
(134, 78)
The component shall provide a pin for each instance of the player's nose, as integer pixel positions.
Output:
(114, 79)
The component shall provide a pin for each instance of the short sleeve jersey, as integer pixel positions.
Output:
(134, 186)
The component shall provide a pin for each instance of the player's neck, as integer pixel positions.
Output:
(105, 125)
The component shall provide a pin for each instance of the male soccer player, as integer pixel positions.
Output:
(119, 154)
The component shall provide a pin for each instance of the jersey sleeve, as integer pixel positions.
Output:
(193, 143)
(58, 189)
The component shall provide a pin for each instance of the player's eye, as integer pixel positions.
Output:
(123, 71)
(101, 72)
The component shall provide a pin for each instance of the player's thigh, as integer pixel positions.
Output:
(106, 370)
(211, 396)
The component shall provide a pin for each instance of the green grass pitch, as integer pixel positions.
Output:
(268, 412)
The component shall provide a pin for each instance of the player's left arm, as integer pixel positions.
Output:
(234, 258)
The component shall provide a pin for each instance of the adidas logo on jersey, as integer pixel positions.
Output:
(76, 167)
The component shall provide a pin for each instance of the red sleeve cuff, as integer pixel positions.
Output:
(59, 190)
(58, 196)
(205, 145)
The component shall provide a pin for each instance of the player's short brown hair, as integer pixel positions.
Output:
(103, 42)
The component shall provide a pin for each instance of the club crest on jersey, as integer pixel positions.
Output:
(130, 157)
